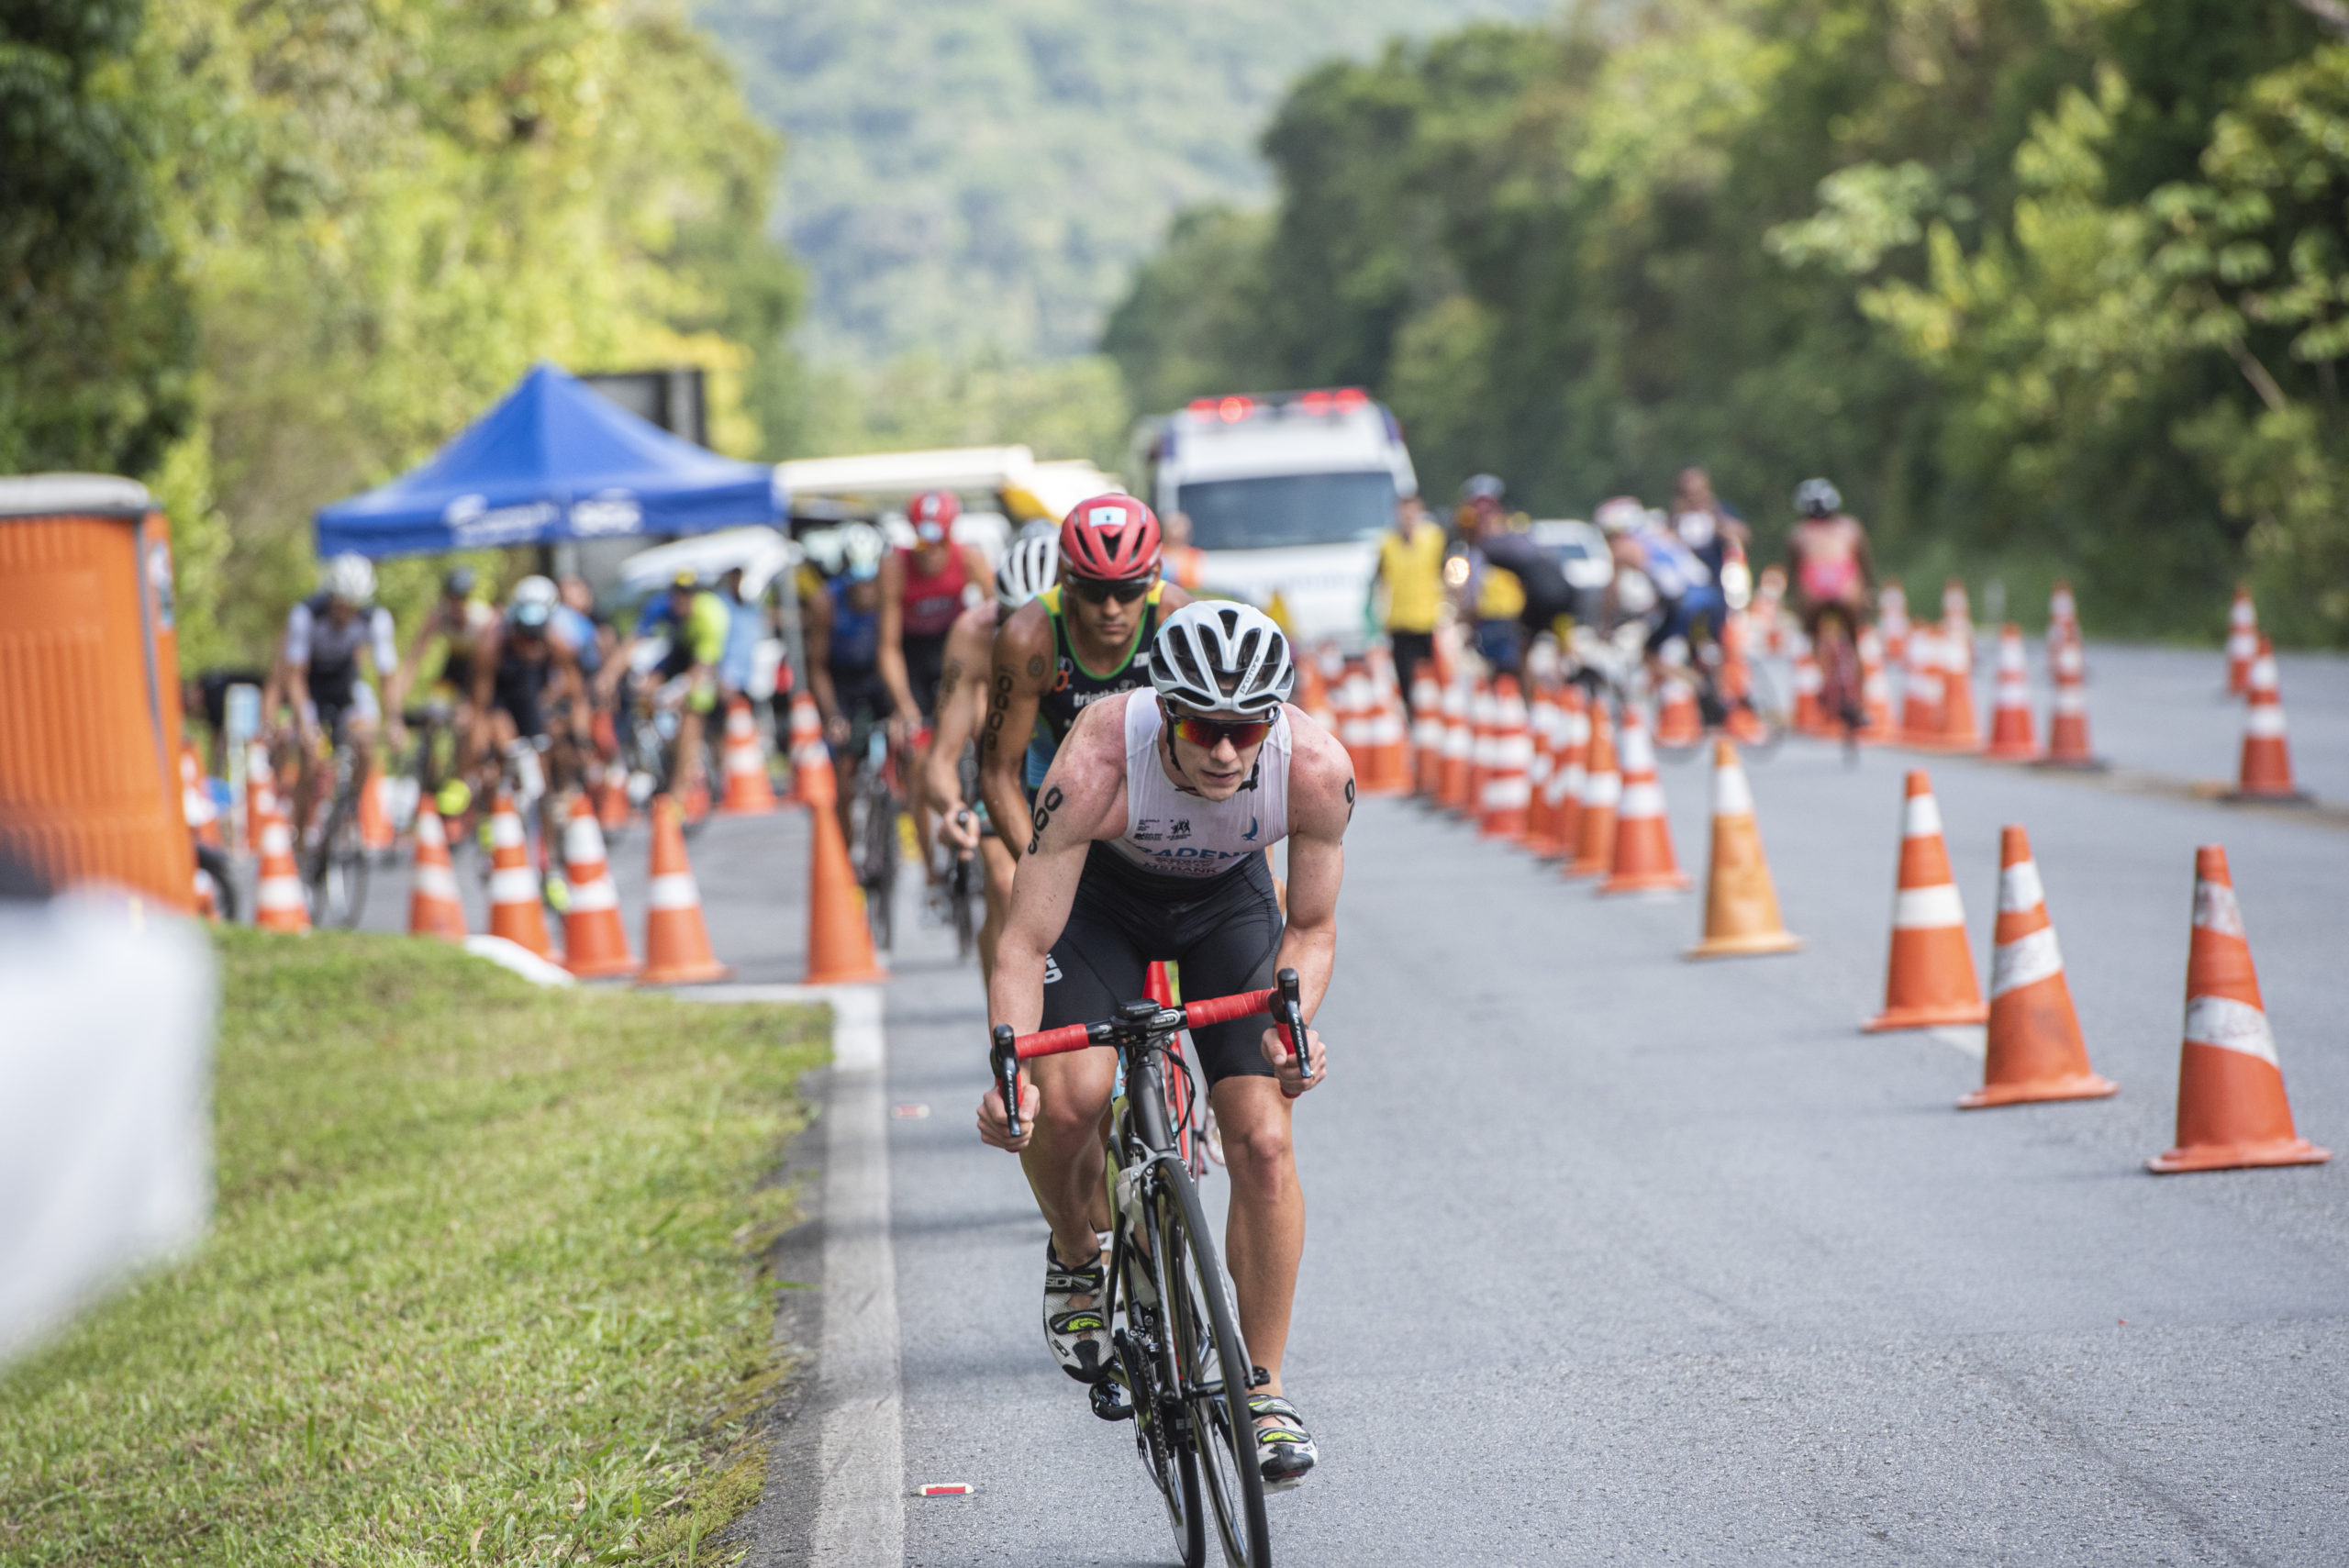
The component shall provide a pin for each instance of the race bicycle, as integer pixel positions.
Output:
(1840, 696)
(335, 864)
(872, 808)
(1180, 1371)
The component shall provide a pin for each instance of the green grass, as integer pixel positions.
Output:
(481, 1286)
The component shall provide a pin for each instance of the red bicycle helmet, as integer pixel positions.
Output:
(1110, 538)
(932, 513)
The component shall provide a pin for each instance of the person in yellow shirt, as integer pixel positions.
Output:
(1494, 596)
(1410, 570)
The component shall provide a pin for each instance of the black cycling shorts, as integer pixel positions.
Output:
(925, 667)
(1225, 931)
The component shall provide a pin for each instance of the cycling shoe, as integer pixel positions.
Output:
(1285, 1450)
(1079, 1337)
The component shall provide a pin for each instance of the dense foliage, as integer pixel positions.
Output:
(967, 177)
(291, 247)
(2047, 285)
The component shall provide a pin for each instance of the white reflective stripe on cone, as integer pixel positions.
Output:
(1642, 799)
(2231, 1026)
(1921, 816)
(1928, 909)
(582, 842)
(2019, 890)
(280, 892)
(1602, 789)
(2070, 700)
(593, 897)
(674, 891)
(506, 831)
(1506, 793)
(1732, 796)
(2264, 721)
(438, 881)
(515, 885)
(2023, 961)
(276, 840)
(2215, 909)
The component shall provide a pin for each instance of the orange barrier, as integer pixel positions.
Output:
(2242, 642)
(515, 911)
(1501, 808)
(1602, 791)
(1741, 901)
(748, 792)
(676, 940)
(433, 907)
(2232, 1108)
(594, 942)
(2265, 771)
(1643, 861)
(1459, 744)
(1931, 977)
(2034, 1050)
(2011, 729)
(1892, 617)
(809, 756)
(280, 901)
(2068, 716)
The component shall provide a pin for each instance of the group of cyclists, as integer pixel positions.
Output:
(537, 694)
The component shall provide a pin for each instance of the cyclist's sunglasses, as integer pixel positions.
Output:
(1207, 733)
(1093, 590)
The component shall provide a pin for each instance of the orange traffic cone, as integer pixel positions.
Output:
(1931, 980)
(1922, 690)
(280, 903)
(1736, 681)
(1875, 687)
(839, 942)
(2063, 613)
(1427, 735)
(1602, 791)
(260, 795)
(2035, 1050)
(612, 809)
(594, 943)
(2265, 773)
(2232, 1108)
(1459, 745)
(1569, 773)
(1810, 683)
(748, 793)
(677, 941)
(433, 907)
(1483, 712)
(1960, 731)
(2010, 736)
(375, 812)
(1643, 861)
(206, 906)
(1766, 613)
(1957, 623)
(2242, 642)
(1347, 693)
(1741, 901)
(2067, 715)
(1543, 726)
(1390, 749)
(196, 801)
(1892, 617)
(1677, 720)
(515, 911)
(807, 748)
(1502, 808)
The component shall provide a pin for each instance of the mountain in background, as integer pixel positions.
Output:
(973, 175)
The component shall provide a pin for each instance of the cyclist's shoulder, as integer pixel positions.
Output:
(1026, 636)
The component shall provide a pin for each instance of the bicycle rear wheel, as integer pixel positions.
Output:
(339, 869)
(1211, 1370)
(880, 869)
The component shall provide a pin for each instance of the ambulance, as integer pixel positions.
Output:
(1284, 496)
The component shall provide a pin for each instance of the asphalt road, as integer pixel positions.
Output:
(1615, 1258)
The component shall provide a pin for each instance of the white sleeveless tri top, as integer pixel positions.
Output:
(1175, 834)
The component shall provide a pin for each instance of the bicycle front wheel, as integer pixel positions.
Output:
(1211, 1372)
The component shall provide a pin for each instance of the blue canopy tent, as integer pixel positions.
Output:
(554, 461)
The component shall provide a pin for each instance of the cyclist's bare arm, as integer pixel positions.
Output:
(1022, 664)
(1083, 798)
(815, 636)
(1320, 803)
(962, 709)
(893, 631)
(486, 651)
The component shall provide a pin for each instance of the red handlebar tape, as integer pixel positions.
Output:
(1195, 1014)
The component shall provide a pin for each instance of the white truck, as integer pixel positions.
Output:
(1286, 494)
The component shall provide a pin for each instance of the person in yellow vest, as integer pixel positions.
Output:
(1494, 594)
(1410, 573)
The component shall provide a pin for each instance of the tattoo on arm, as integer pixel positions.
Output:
(1036, 668)
(998, 705)
(1044, 809)
(1350, 801)
(948, 679)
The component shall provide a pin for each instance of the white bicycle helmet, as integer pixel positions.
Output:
(1618, 514)
(1029, 568)
(863, 545)
(348, 577)
(534, 590)
(1214, 656)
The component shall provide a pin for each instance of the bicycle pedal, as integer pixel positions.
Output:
(1109, 1399)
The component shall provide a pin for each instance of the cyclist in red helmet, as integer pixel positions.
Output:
(923, 590)
(1082, 640)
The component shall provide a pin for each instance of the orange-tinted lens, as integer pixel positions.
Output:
(1206, 733)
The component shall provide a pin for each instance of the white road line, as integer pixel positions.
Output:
(860, 1511)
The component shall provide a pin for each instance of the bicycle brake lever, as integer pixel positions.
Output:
(1291, 1017)
(1003, 1057)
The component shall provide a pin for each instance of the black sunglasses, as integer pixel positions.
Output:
(1095, 592)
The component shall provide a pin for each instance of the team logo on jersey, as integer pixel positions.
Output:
(1250, 836)
(1052, 969)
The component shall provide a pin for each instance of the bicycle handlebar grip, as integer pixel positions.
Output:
(1052, 1042)
(1289, 1012)
(1003, 1057)
(1223, 1010)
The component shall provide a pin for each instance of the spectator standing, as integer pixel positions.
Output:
(1411, 570)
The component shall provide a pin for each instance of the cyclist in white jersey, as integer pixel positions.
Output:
(1148, 844)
